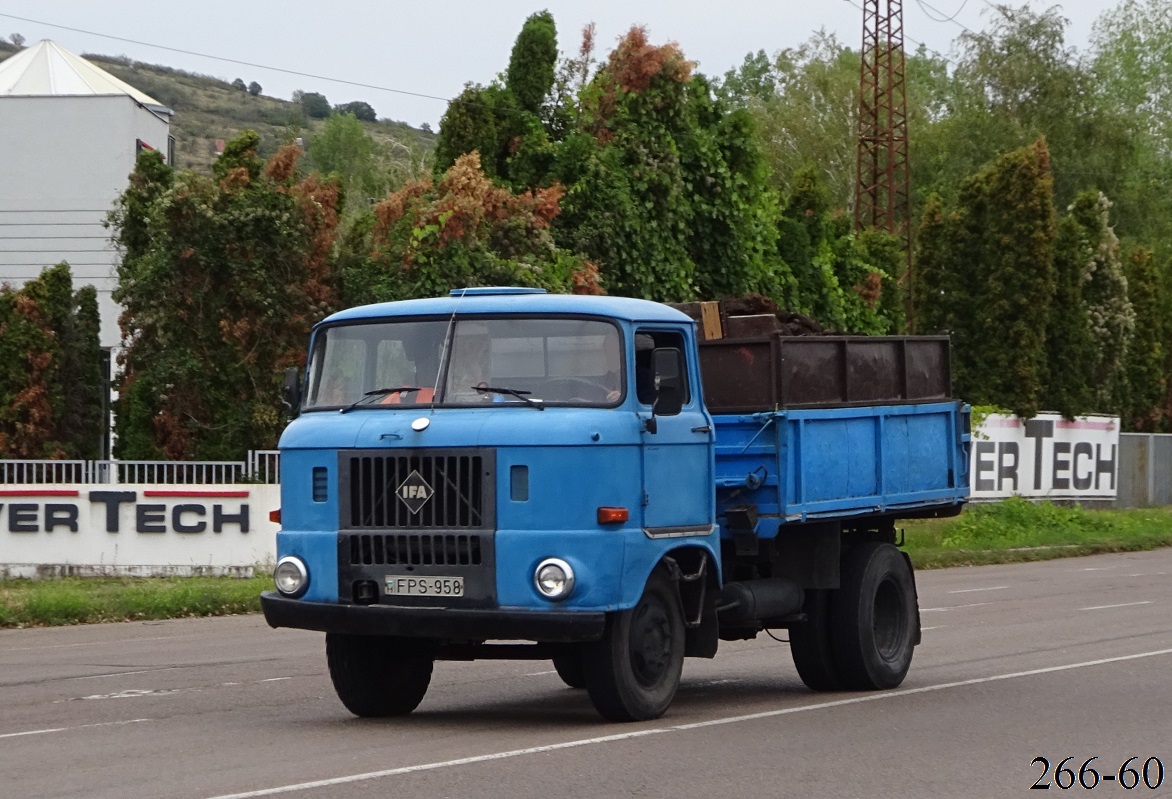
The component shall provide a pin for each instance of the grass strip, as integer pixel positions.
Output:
(1005, 532)
(84, 600)
(1017, 530)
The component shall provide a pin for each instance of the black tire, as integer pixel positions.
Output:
(378, 676)
(632, 673)
(875, 619)
(811, 646)
(569, 668)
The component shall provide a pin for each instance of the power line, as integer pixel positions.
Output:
(936, 53)
(228, 60)
(924, 6)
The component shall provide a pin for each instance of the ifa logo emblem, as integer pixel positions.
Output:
(414, 492)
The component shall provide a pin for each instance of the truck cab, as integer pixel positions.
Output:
(493, 465)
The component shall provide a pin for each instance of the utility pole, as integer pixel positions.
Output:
(882, 190)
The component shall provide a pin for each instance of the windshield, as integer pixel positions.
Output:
(510, 361)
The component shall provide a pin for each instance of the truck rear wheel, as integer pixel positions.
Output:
(811, 647)
(874, 618)
(632, 673)
(378, 676)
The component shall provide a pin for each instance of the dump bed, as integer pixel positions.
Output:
(799, 465)
(754, 357)
(779, 371)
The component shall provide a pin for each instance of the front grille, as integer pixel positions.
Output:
(452, 490)
(403, 549)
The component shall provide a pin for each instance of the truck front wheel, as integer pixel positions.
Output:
(569, 667)
(632, 673)
(874, 618)
(377, 676)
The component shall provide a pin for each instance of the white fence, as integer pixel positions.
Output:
(261, 466)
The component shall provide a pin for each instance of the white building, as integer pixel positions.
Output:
(69, 136)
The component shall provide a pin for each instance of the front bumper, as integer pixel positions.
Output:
(449, 624)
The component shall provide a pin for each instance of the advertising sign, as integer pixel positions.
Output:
(136, 529)
(1046, 456)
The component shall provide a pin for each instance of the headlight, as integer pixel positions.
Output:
(291, 576)
(554, 578)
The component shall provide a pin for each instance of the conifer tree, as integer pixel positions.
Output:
(1145, 379)
(530, 74)
(1006, 235)
(1070, 345)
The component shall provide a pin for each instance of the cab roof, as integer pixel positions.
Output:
(494, 301)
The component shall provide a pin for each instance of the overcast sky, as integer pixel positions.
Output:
(435, 48)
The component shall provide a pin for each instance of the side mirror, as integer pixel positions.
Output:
(669, 382)
(291, 392)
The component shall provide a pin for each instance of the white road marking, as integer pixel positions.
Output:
(710, 683)
(1120, 605)
(67, 729)
(127, 673)
(952, 607)
(129, 693)
(937, 627)
(95, 643)
(539, 673)
(134, 693)
(974, 590)
(626, 736)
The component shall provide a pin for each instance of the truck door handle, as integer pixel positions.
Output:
(702, 429)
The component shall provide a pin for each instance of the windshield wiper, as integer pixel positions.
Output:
(512, 392)
(379, 392)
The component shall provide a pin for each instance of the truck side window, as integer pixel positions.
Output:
(646, 342)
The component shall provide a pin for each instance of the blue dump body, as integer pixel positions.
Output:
(824, 463)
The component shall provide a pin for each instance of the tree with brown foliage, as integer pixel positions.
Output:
(50, 369)
(463, 230)
(221, 280)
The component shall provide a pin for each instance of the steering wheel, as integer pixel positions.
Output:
(576, 387)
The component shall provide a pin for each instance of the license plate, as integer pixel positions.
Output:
(399, 585)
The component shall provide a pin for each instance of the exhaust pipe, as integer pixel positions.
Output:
(752, 601)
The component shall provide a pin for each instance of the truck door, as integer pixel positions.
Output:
(677, 457)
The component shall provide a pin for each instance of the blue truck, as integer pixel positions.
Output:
(605, 483)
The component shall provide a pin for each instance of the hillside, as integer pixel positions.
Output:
(207, 109)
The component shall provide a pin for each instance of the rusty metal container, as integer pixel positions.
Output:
(745, 375)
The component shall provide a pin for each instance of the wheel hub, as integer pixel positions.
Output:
(650, 644)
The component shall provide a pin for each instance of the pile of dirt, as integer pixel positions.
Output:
(757, 305)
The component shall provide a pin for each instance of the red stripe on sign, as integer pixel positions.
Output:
(43, 492)
(214, 494)
(1082, 425)
(1001, 423)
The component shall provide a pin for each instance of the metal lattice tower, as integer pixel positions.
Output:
(882, 190)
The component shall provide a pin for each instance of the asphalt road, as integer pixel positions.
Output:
(1069, 658)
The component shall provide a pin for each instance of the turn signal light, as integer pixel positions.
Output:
(613, 515)
(275, 516)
